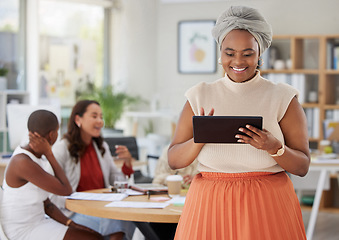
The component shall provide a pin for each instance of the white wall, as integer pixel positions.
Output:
(161, 75)
(134, 27)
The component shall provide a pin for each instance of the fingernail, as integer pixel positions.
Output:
(241, 129)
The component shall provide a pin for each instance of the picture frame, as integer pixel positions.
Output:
(197, 52)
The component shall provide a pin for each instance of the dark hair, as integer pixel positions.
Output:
(76, 146)
(42, 122)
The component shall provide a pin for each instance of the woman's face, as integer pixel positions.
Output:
(239, 55)
(91, 122)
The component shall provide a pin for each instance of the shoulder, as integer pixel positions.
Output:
(20, 162)
(60, 144)
(279, 87)
(60, 150)
(203, 87)
(105, 145)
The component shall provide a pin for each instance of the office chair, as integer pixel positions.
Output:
(131, 144)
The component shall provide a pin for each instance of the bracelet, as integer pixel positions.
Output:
(69, 221)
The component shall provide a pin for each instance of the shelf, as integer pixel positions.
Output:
(309, 60)
(310, 105)
(291, 71)
(332, 72)
(331, 107)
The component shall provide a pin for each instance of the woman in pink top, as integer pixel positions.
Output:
(242, 191)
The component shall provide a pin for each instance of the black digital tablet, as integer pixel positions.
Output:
(221, 129)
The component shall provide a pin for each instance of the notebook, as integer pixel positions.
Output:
(145, 187)
(221, 129)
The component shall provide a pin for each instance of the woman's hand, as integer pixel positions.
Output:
(187, 179)
(202, 112)
(39, 144)
(123, 153)
(82, 227)
(260, 139)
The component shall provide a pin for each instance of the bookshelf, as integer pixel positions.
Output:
(310, 63)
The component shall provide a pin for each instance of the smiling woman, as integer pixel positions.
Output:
(243, 182)
(239, 55)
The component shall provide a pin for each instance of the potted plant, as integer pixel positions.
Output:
(112, 103)
(3, 79)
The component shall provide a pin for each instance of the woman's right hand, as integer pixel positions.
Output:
(39, 144)
(183, 150)
(202, 112)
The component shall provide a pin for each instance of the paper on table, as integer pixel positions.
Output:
(130, 204)
(98, 196)
(179, 201)
(131, 192)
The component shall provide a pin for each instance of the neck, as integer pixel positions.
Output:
(87, 139)
(28, 148)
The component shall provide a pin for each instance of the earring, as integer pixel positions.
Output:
(219, 61)
(260, 62)
(79, 125)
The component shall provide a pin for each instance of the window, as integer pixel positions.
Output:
(12, 37)
(71, 49)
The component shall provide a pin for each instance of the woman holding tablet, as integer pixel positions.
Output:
(242, 190)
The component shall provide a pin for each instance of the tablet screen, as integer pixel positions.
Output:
(221, 129)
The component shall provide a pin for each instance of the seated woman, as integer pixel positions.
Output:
(29, 180)
(88, 164)
(162, 170)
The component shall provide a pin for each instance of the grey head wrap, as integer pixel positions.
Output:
(241, 17)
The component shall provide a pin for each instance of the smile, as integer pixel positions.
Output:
(238, 69)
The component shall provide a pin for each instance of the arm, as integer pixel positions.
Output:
(59, 184)
(183, 150)
(22, 169)
(124, 154)
(52, 211)
(296, 158)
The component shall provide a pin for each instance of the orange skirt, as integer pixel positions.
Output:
(241, 206)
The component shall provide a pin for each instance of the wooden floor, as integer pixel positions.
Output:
(327, 225)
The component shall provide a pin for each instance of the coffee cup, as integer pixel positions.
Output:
(174, 185)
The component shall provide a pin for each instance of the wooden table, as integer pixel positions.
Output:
(140, 216)
(169, 214)
(325, 169)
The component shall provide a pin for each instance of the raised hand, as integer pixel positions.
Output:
(123, 153)
(39, 144)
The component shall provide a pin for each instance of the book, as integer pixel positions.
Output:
(145, 187)
(336, 57)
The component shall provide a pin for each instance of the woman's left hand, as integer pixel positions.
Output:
(123, 153)
(39, 144)
(260, 139)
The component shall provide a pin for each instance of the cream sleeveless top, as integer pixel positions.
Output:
(256, 97)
